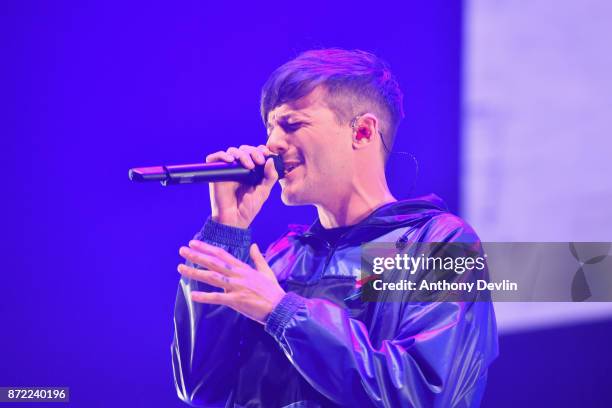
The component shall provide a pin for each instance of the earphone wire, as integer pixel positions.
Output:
(389, 153)
(403, 153)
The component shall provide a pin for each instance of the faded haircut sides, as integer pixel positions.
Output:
(355, 82)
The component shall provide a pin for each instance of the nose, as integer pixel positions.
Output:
(277, 141)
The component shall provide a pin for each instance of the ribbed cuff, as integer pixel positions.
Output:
(282, 313)
(215, 232)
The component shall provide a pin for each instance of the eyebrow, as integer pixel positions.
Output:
(285, 118)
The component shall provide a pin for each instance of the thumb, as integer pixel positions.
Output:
(270, 174)
(260, 263)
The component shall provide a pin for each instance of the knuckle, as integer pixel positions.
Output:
(212, 277)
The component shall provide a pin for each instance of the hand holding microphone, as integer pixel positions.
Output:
(237, 204)
(240, 180)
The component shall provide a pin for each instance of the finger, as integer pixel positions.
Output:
(260, 263)
(244, 157)
(213, 298)
(202, 275)
(216, 252)
(208, 261)
(256, 155)
(265, 150)
(220, 156)
(271, 176)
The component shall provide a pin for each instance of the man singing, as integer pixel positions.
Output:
(286, 329)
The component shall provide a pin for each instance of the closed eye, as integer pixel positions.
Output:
(292, 127)
(288, 127)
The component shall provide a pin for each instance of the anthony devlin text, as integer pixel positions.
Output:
(441, 285)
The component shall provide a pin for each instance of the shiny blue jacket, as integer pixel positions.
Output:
(322, 346)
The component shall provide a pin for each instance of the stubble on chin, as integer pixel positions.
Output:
(294, 197)
(289, 199)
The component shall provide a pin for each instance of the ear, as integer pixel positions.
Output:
(365, 130)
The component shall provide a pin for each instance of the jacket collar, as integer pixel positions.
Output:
(384, 219)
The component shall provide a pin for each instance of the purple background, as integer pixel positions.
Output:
(94, 88)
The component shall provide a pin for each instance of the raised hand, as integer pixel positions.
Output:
(252, 292)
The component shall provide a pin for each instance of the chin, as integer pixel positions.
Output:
(292, 196)
(291, 199)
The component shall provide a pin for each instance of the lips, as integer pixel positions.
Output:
(290, 165)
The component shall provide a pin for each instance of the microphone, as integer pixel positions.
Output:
(205, 172)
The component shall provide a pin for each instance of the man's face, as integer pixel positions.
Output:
(316, 149)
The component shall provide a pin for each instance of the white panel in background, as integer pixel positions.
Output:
(537, 153)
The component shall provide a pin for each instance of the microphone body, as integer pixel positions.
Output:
(205, 173)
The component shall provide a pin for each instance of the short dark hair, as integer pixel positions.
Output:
(355, 82)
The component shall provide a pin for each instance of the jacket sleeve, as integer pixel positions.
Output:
(206, 337)
(438, 356)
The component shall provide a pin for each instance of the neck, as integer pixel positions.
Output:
(354, 207)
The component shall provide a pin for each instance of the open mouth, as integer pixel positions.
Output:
(290, 166)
